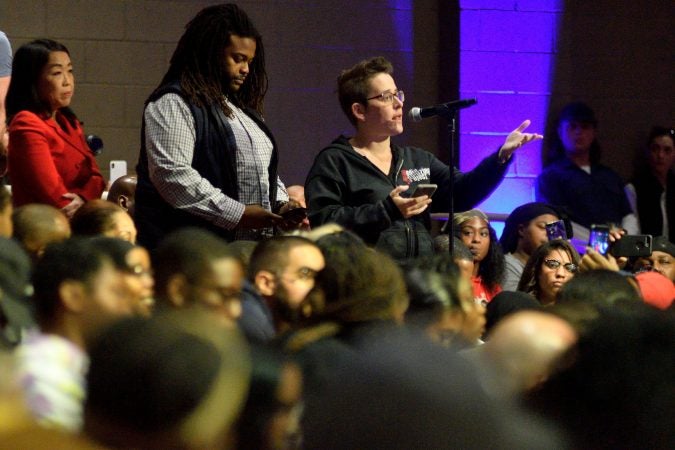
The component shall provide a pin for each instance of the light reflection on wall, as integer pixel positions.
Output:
(507, 58)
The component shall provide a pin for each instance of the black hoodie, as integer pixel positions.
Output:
(345, 188)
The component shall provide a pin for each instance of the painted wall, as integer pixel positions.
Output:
(527, 59)
(121, 49)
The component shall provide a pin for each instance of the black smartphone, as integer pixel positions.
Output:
(424, 189)
(598, 240)
(632, 245)
(556, 230)
(295, 215)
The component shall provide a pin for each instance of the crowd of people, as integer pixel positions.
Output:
(202, 304)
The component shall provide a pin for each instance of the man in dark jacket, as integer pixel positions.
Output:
(359, 182)
(207, 158)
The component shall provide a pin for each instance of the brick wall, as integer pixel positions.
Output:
(121, 48)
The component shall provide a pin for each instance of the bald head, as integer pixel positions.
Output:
(37, 225)
(123, 192)
(524, 347)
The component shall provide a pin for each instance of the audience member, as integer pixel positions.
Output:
(351, 180)
(441, 303)
(16, 317)
(550, 266)
(652, 189)
(134, 262)
(282, 271)
(77, 292)
(474, 230)
(271, 416)
(49, 159)
(36, 226)
(602, 287)
(243, 250)
(656, 290)
(166, 382)
(6, 210)
(461, 254)
(123, 193)
(195, 269)
(661, 260)
(616, 389)
(5, 77)
(524, 349)
(506, 303)
(207, 158)
(403, 394)
(18, 429)
(524, 231)
(99, 217)
(576, 181)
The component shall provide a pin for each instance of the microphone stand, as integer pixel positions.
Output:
(451, 116)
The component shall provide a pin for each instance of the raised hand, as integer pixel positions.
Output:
(517, 139)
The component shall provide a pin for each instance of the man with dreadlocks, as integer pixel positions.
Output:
(207, 158)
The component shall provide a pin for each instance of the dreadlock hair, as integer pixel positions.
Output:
(197, 61)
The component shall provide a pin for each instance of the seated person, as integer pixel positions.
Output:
(16, 316)
(281, 271)
(177, 381)
(77, 292)
(590, 192)
(37, 225)
(652, 190)
(550, 266)
(441, 303)
(123, 193)
(524, 231)
(100, 217)
(6, 209)
(474, 230)
(661, 260)
(365, 183)
(195, 269)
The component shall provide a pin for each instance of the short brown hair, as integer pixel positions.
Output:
(353, 82)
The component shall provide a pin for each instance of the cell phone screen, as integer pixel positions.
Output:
(556, 230)
(599, 239)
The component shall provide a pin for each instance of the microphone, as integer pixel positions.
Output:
(417, 114)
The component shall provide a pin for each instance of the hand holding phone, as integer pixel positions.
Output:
(295, 215)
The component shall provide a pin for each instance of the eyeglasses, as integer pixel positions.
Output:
(555, 264)
(388, 97)
(138, 270)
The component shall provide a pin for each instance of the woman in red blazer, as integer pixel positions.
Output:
(49, 160)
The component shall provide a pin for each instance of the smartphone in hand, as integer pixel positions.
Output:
(424, 189)
(632, 245)
(556, 230)
(599, 239)
(295, 215)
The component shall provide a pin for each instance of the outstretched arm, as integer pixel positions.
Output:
(517, 139)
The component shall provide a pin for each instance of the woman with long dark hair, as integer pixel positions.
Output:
(49, 159)
(551, 266)
(473, 229)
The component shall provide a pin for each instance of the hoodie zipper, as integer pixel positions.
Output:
(410, 236)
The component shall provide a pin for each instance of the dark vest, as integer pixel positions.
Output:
(648, 191)
(214, 159)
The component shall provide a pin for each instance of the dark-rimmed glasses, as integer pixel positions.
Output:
(555, 264)
(388, 97)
